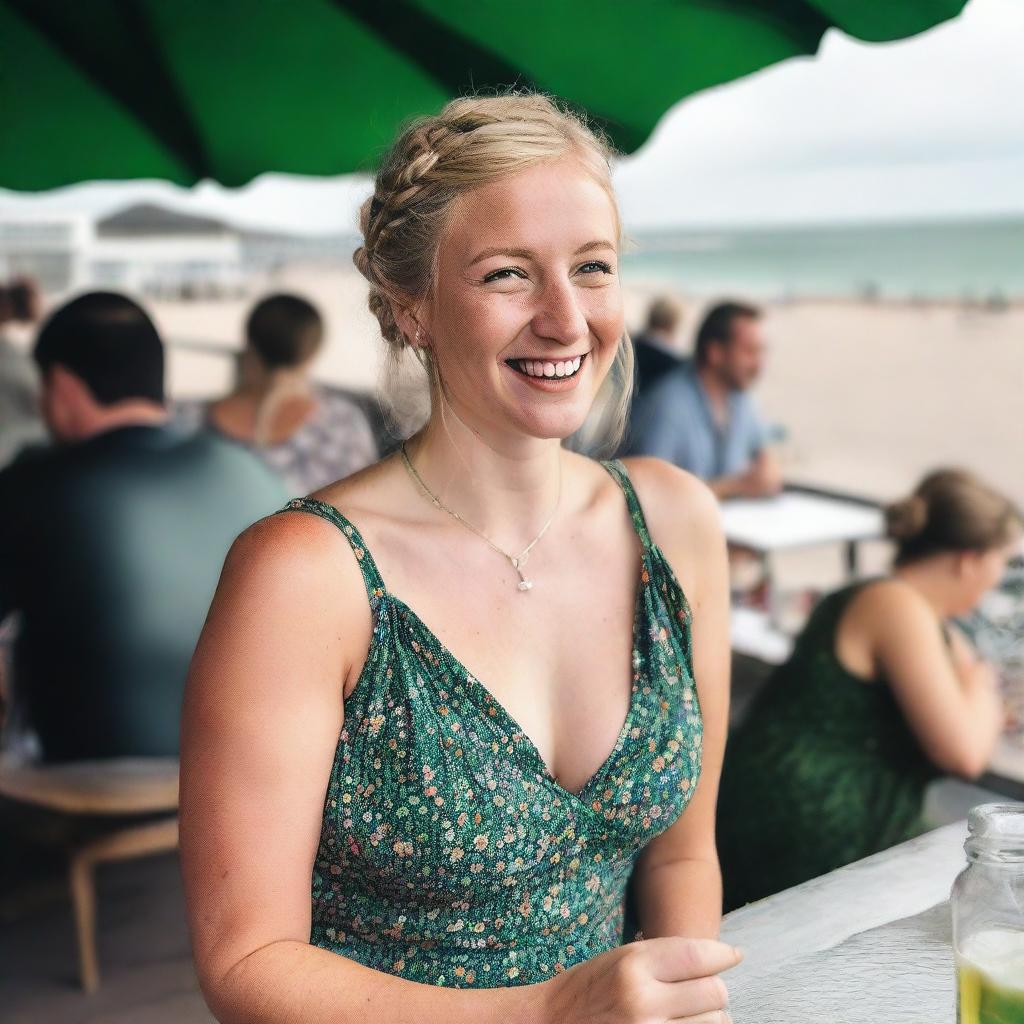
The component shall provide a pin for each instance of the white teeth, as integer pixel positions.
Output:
(539, 368)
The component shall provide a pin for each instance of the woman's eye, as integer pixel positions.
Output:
(499, 275)
(603, 267)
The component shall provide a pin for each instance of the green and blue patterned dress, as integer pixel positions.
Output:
(449, 854)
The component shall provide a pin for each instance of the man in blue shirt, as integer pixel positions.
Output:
(112, 540)
(699, 415)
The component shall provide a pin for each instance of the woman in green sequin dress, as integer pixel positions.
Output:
(443, 710)
(879, 697)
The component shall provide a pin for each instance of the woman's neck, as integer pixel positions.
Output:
(931, 579)
(507, 488)
(267, 407)
(257, 382)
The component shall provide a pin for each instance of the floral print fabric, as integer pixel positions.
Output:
(449, 854)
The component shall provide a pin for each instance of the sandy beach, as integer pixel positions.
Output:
(870, 395)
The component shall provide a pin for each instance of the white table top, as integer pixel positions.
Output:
(752, 634)
(866, 943)
(794, 519)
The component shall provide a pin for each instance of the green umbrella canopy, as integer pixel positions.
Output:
(228, 89)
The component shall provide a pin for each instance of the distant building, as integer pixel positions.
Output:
(51, 248)
(153, 251)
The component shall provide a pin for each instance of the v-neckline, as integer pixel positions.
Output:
(510, 720)
(378, 592)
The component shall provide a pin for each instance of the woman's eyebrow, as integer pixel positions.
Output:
(523, 254)
(528, 254)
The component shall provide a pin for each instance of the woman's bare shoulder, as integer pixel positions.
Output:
(369, 492)
(676, 503)
(683, 519)
(298, 559)
(890, 612)
(886, 596)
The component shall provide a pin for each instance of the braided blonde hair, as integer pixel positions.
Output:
(473, 141)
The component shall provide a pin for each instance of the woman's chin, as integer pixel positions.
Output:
(548, 425)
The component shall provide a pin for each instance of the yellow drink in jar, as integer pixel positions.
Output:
(990, 978)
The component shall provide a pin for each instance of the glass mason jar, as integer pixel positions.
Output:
(988, 917)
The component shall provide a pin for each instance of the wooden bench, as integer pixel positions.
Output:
(128, 787)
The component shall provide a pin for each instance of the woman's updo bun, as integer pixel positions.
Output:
(951, 510)
(904, 519)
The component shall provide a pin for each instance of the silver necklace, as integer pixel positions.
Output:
(517, 561)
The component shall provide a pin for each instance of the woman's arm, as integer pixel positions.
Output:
(262, 713)
(952, 704)
(677, 878)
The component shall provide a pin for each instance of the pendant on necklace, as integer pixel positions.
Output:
(523, 584)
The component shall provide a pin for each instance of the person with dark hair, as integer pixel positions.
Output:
(881, 695)
(111, 540)
(310, 434)
(700, 417)
(20, 420)
(655, 347)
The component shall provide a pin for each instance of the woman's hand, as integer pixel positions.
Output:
(983, 681)
(963, 654)
(651, 981)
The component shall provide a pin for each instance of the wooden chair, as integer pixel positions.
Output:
(110, 788)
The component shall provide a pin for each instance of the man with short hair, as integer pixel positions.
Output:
(112, 540)
(700, 416)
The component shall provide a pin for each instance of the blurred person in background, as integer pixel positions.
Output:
(699, 415)
(20, 420)
(881, 695)
(656, 347)
(112, 540)
(308, 433)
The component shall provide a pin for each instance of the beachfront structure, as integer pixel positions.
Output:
(51, 248)
(151, 251)
(148, 250)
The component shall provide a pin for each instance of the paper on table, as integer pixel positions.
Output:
(900, 973)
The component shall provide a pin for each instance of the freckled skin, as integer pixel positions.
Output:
(549, 301)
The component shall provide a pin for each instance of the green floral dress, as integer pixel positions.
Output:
(449, 854)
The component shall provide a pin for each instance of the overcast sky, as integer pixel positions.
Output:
(927, 127)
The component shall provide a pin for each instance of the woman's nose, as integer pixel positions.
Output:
(559, 315)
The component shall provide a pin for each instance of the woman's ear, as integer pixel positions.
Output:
(408, 318)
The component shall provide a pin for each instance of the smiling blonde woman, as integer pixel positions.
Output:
(442, 710)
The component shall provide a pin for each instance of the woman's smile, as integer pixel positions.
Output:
(549, 374)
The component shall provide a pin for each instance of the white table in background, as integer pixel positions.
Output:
(800, 519)
(752, 634)
(869, 942)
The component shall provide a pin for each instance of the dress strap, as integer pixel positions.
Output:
(371, 575)
(618, 471)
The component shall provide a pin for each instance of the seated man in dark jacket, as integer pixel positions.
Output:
(112, 540)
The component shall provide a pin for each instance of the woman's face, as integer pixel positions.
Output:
(527, 314)
(980, 571)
